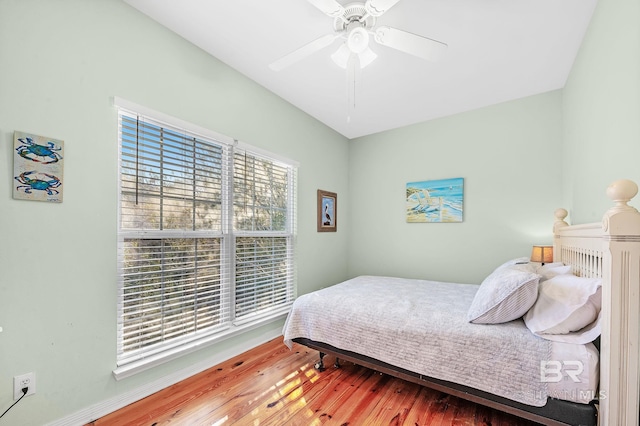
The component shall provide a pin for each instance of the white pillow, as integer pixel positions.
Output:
(550, 270)
(567, 309)
(505, 295)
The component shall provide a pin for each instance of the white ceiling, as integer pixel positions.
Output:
(498, 50)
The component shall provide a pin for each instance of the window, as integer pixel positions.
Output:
(206, 237)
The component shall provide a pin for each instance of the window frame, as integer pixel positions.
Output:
(127, 365)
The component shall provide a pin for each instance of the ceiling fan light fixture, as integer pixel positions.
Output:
(358, 40)
(367, 57)
(341, 56)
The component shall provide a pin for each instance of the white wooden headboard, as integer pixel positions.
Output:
(579, 246)
(611, 250)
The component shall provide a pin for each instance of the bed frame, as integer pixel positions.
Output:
(609, 250)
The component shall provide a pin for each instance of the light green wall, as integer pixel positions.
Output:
(506, 155)
(61, 62)
(592, 130)
(601, 112)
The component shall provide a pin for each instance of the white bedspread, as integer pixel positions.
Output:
(420, 326)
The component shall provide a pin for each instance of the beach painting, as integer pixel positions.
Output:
(435, 200)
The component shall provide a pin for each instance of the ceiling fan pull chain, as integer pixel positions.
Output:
(353, 71)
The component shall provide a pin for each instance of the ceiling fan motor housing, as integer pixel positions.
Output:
(353, 17)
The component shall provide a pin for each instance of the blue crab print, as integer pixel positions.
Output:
(29, 184)
(32, 151)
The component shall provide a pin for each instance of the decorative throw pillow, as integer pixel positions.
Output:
(516, 261)
(567, 309)
(505, 295)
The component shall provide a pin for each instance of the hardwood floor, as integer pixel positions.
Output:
(271, 385)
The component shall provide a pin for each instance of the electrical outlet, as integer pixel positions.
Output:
(24, 381)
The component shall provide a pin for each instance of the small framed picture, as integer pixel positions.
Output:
(37, 168)
(327, 211)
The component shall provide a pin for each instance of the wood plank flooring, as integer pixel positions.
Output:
(271, 385)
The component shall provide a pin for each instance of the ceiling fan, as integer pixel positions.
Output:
(355, 22)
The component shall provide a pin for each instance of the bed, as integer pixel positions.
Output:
(556, 344)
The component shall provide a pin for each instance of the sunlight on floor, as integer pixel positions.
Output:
(221, 421)
(286, 394)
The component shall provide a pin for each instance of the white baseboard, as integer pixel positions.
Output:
(103, 408)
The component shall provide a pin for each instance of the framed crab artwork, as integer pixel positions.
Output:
(37, 168)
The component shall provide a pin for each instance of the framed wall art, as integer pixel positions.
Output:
(37, 168)
(435, 200)
(327, 211)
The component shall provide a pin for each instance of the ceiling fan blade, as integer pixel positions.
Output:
(303, 52)
(412, 44)
(378, 7)
(330, 7)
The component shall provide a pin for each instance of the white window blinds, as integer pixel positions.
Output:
(264, 240)
(206, 237)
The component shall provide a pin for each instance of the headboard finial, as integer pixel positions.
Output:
(621, 192)
(560, 215)
(628, 218)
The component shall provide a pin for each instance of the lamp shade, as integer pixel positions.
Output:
(542, 254)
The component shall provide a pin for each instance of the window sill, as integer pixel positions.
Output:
(133, 368)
